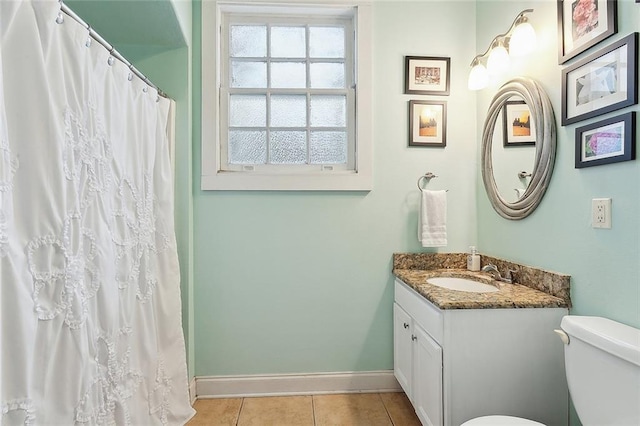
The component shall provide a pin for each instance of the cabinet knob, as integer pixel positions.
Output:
(406, 325)
(414, 338)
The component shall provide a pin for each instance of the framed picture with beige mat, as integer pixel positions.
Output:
(428, 123)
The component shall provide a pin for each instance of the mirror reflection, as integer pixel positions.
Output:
(513, 149)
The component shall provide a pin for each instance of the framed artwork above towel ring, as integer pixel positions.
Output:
(428, 123)
(427, 75)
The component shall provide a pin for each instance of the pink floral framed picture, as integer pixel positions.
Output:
(583, 24)
(607, 141)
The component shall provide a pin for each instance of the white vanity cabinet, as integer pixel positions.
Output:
(458, 364)
(418, 355)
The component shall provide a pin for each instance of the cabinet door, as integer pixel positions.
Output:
(402, 348)
(427, 378)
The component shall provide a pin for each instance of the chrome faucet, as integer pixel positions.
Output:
(493, 269)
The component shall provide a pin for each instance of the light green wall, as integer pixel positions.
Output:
(301, 282)
(184, 13)
(558, 236)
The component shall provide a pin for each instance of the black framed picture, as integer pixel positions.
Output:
(583, 24)
(427, 75)
(607, 141)
(518, 128)
(428, 123)
(602, 82)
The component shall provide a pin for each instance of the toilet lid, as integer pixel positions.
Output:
(500, 421)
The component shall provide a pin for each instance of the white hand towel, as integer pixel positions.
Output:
(432, 220)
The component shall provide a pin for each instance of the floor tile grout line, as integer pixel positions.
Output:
(240, 411)
(386, 409)
(313, 409)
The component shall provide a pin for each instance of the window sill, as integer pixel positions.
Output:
(243, 181)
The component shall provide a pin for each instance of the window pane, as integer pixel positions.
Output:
(326, 75)
(288, 147)
(326, 42)
(248, 41)
(288, 42)
(328, 147)
(328, 111)
(288, 75)
(247, 147)
(288, 111)
(248, 111)
(249, 74)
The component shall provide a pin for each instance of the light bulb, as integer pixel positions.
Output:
(523, 40)
(478, 77)
(498, 61)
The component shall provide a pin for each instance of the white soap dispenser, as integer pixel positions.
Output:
(473, 259)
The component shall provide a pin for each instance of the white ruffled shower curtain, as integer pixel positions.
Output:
(90, 321)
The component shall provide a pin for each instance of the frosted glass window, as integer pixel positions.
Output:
(288, 147)
(286, 97)
(288, 75)
(248, 111)
(328, 111)
(328, 148)
(326, 42)
(288, 42)
(247, 147)
(248, 41)
(327, 75)
(248, 74)
(288, 110)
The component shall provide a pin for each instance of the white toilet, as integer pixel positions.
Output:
(602, 361)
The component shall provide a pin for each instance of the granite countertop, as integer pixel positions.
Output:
(414, 270)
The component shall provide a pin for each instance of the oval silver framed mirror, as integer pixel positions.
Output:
(543, 118)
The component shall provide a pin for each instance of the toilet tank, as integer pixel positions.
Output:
(602, 361)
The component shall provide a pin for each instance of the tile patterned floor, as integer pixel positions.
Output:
(355, 409)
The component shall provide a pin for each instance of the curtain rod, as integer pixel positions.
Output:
(112, 51)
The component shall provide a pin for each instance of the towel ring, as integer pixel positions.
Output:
(428, 176)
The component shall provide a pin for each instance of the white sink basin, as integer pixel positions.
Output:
(462, 284)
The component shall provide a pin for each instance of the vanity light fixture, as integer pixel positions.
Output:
(498, 61)
(519, 40)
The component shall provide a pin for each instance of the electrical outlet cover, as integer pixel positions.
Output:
(601, 213)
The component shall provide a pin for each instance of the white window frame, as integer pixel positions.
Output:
(322, 177)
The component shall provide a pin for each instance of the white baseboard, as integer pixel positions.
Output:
(296, 384)
(192, 390)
